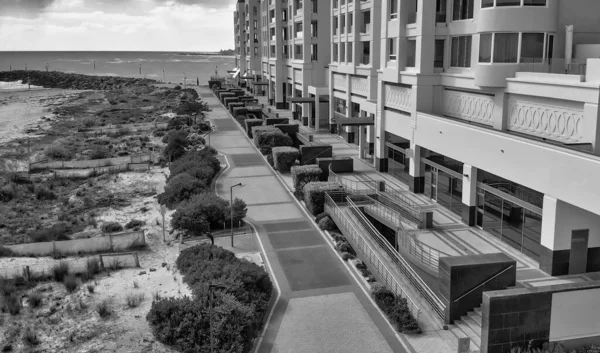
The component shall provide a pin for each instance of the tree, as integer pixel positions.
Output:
(189, 218)
(180, 188)
(176, 144)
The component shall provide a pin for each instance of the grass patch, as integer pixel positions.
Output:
(30, 337)
(35, 299)
(103, 309)
(60, 271)
(134, 300)
(70, 283)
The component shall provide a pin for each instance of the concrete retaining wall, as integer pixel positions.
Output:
(274, 121)
(338, 165)
(309, 154)
(95, 163)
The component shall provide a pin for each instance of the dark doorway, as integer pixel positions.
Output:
(579, 250)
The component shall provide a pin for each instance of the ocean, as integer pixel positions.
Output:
(161, 66)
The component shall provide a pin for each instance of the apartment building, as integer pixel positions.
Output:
(247, 41)
(490, 108)
(295, 54)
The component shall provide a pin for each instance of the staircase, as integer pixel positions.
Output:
(469, 326)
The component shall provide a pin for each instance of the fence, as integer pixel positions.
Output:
(79, 265)
(101, 130)
(112, 242)
(95, 163)
(84, 173)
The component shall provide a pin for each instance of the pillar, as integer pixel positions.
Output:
(416, 169)
(469, 194)
(500, 113)
(381, 162)
(362, 141)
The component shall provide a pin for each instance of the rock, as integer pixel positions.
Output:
(152, 269)
(164, 264)
(142, 273)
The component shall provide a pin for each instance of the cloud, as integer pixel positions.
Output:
(213, 4)
(24, 8)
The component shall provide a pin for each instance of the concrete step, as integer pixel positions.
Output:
(460, 333)
(478, 310)
(469, 332)
(473, 324)
(476, 316)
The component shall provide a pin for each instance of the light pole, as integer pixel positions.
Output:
(231, 208)
(210, 307)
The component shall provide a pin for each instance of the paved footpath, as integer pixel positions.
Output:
(321, 306)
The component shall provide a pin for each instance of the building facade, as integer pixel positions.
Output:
(488, 107)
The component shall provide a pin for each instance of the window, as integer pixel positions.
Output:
(462, 10)
(506, 47)
(255, 11)
(438, 60)
(508, 3)
(487, 3)
(461, 52)
(342, 52)
(255, 37)
(366, 27)
(485, 47)
(313, 52)
(350, 23)
(283, 15)
(392, 49)
(440, 11)
(335, 26)
(314, 6)
(255, 51)
(532, 47)
(343, 24)
(255, 24)
(350, 52)
(534, 2)
(299, 33)
(335, 52)
(393, 9)
(298, 53)
(366, 53)
(502, 3)
(411, 53)
(314, 29)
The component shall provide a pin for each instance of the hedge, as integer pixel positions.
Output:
(250, 124)
(267, 139)
(396, 309)
(284, 158)
(241, 120)
(239, 110)
(326, 223)
(314, 195)
(238, 311)
(302, 175)
(257, 130)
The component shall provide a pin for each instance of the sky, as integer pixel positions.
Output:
(116, 25)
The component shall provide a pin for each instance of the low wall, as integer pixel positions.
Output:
(566, 313)
(309, 154)
(274, 121)
(111, 242)
(338, 165)
(131, 127)
(95, 163)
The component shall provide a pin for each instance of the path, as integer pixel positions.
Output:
(321, 306)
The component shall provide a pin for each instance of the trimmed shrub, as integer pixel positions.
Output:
(112, 227)
(347, 256)
(201, 165)
(302, 175)
(241, 119)
(180, 188)
(284, 158)
(56, 233)
(344, 246)
(396, 309)
(314, 195)
(250, 124)
(326, 223)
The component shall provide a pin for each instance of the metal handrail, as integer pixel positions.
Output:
(367, 253)
(483, 283)
(517, 191)
(353, 186)
(396, 258)
(408, 213)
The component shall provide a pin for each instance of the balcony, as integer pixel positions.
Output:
(365, 28)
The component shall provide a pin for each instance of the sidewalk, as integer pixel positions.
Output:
(321, 307)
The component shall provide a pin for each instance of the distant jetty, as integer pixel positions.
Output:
(55, 79)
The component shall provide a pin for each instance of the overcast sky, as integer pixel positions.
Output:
(129, 25)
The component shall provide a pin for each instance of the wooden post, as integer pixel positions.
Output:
(110, 239)
(53, 247)
(101, 262)
(137, 260)
(28, 273)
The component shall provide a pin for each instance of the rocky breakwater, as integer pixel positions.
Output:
(55, 79)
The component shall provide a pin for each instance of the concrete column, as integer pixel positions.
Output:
(591, 130)
(381, 163)
(416, 169)
(469, 194)
(362, 141)
(425, 51)
(331, 100)
(500, 114)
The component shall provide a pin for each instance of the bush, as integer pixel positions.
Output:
(70, 283)
(180, 188)
(284, 158)
(35, 299)
(347, 256)
(99, 153)
(326, 223)
(92, 266)
(267, 140)
(134, 300)
(176, 144)
(314, 195)
(8, 192)
(6, 252)
(250, 124)
(112, 227)
(56, 233)
(30, 337)
(302, 175)
(241, 119)
(134, 223)
(42, 193)
(7, 287)
(103, 309)
(58, 153)
(202, 165)
(12, 304)
(90, 288)
(60, 271)
(396, 309)
(270, 160)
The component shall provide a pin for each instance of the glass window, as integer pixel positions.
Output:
(508, 3)
(350, 53)
(342, 52)
(439, 53)
(506, 47)
(335, 52)
(532, 47)
(534, 2)
(485, 47)
(393, 9)
(487, 3)
(461, 52)
(440, 11)
(411, 53)
(392, 49)
(462, 9)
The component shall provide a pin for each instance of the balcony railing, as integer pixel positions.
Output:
(365, 59)
(365, 28)
(553, 66)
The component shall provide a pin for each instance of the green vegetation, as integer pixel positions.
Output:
(302, 175)
(284, 158)
(314, 195)
(395, 308)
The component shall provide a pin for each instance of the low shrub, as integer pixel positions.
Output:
(241, 119)
(70, 283)
(56, 233)
(42, 193)
(396, 309)
(180, 188)
(35, 299)
(344, 246)
(270, 160)
(134, 300)
(7, 287)
(347, 256)
(302, 175)
(99, 153)
(103, 309)
(12, 304)
(58, 153)
(314, 195)
(250, 124)
(268, 137)
(202, 165)
(90, 288)
(30, 337)
(321, 216)
(134, 223)
(6, 252)
(8, 192)
(284, 158)
(60, 271)
(112, 227)
(326, 223)
(92, 266)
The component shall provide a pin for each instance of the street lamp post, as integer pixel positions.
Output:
(231, 209)
(210, 307)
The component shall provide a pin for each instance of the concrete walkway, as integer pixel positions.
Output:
(321, 308)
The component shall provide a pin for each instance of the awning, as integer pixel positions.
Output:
(248, 78)
(261, 83)
(354, 121)
(235, 72)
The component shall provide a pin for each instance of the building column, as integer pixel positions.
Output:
(591, 130)
(416, 169)
(500, 113)
(469, 194)
(381, 162)
(362, 141)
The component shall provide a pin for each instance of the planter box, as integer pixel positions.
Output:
(309, 154)
(338, 165)
(212, 83)
(273, 121)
